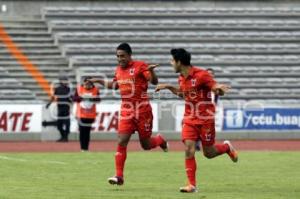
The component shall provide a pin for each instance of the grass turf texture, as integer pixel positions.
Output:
(148, 175)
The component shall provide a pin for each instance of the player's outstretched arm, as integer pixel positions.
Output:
(220, 89)
(173, 89)
(106, 84)
(153, 78)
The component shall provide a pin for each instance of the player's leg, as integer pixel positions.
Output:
(189, 137)
(125, 130)
(153, 142)
(120, 159)
(212, 150)
(144, 127)
(198, 145)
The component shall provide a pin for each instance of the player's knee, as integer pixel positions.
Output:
(122, 143)
(145, 146)
(189, 153)
(208, 155)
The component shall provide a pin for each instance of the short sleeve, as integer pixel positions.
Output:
(207, 80)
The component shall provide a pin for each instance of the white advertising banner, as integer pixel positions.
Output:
(20, 118)
(108, 118)
(180, 112)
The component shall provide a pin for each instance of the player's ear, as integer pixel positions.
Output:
(178, 63)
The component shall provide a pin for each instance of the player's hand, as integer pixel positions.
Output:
(161, 87)
(94, 80)
(152, 66)
(222, 89)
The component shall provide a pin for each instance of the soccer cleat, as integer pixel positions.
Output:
(165, 145)
(188, 189)
(233, 154)
(116, 180)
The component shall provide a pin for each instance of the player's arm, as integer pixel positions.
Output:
(105, 83)
(175, 90)
(153, 77)
(220, 89)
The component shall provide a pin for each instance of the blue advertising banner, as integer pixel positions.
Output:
(262, 119)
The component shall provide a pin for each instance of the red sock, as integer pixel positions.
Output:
(120, 158)
(222, 148)
(156, 141)
(190, 168)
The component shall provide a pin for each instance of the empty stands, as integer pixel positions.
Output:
(256, 50)
(253, 49)
(32, 37)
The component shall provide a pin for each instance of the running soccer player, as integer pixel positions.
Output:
(131, 78)
(195, 85)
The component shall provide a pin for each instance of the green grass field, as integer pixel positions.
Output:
(148, 175)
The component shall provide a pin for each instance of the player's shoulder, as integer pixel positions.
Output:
(198, 71)
(139, 63)
(117, 69)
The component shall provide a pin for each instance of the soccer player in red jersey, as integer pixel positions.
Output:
(195, 85)
(131, 78)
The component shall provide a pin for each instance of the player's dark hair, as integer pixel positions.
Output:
(87, 78)
(180, 54)
(126, 47)
(211, 69)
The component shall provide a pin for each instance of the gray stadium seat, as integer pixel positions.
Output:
(245, 49)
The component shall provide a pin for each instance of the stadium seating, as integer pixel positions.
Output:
(255, 50)
(32, 37)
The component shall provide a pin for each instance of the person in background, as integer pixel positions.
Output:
(62, 96)
(86, 96)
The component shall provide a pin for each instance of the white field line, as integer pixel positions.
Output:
(24, 160)
(54, 162)
(13, 159)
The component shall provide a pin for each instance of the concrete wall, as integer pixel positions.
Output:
(17, 8)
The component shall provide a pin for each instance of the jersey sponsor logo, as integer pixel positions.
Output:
(126, 81)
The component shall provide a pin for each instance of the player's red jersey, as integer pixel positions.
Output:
(133, 85)
(196, 88)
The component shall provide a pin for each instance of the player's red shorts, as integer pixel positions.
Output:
(204, 132)
(141, 122)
